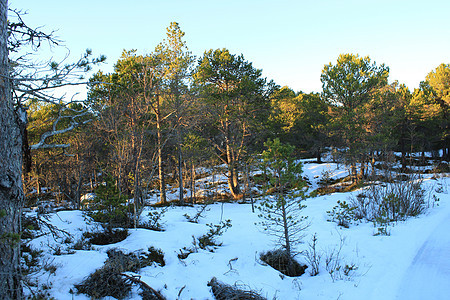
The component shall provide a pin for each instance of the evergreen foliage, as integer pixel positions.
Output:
(110, 206)
(280, 211)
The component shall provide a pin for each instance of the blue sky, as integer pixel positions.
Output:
(290, 40)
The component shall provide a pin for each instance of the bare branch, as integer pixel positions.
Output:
(74, 123)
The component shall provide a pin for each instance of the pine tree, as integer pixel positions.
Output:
(282, 205)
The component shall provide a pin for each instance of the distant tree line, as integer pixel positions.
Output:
(159, 116)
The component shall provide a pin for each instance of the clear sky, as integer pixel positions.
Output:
(290, 40)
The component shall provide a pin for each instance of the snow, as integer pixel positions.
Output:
(428, 275)
(412, 263)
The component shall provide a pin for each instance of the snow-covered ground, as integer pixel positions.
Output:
(412, 263)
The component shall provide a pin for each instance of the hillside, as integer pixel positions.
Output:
(365, 266)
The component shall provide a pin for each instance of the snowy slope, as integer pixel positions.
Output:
(412, 262)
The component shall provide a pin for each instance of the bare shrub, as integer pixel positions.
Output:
(313, 256)
(393, 201)
(335, 264)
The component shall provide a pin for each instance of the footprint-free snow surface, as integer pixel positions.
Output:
(428, 276)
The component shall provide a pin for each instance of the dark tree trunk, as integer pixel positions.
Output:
(319, 156)
(11, 192)
(233, 173)
(180, 172)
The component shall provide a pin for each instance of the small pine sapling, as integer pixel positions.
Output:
(110, 206)
(281, 209)
(343, 214)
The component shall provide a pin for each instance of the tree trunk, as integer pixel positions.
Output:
(353, 172)
(319, 156)
(179, 140)
(162, 183)
(11, 192)
(233, 175)
(180, 170)
(362, 172)
(79, 186)
(372, 164)
(233, 183)
(286, 229)
(192, 183)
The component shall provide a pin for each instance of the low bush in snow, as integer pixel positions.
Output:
(106, 236)
(109, 280)
(222, 291)
(343, 214)
(154, 220)
(208, 240)
(391, 201)
(106, 281)
(281, 261)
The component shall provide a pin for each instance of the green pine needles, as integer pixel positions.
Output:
(280, 209)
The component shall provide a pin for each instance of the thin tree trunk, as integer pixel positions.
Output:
(11, 192)
(353, 172)
(79, 186)
(362, 172)
(372, 164)
(180, 171)
(192, 182)
(286, 229)
(137, 192)
(162, 184)
(179, 140)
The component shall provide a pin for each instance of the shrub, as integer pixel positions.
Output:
(30, 259)
(280, 260)
(313, 256)
(154, 220)
(106, 281)
(106, 237)
(134, 261)
(222, 291)
(153, 256)
(82, 244)
(441, 167)
(199, 214)
(343, 214)
(391, 201)
(109, 280)
(335, 265)
(206, 241)
(326, 178)
(209, 239)
(110, 207)
(381, 223)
